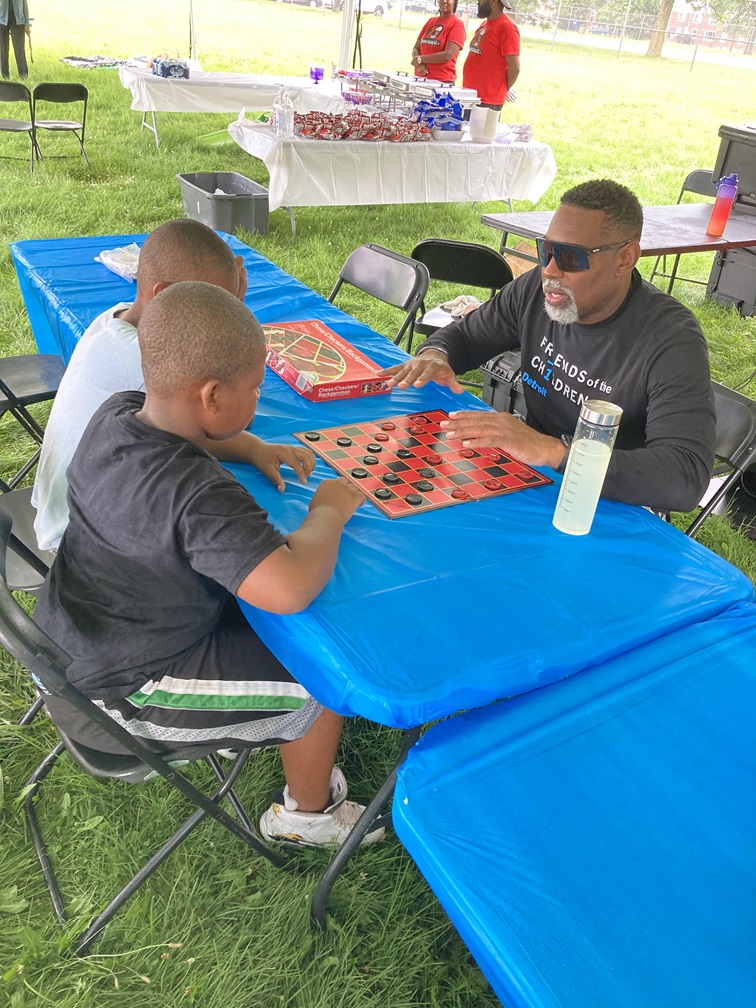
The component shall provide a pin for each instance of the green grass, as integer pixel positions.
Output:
(216, 927)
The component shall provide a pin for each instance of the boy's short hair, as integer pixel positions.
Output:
(620, 204)
(194, 331)
(183, 249)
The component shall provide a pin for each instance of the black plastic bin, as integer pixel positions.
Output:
(240, 203)
(502, 384)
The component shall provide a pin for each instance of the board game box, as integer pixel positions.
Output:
(406, 464)
(319, 364)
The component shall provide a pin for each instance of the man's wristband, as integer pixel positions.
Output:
(566, 440)
(432, 349)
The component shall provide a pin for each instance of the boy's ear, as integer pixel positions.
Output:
(209, 395)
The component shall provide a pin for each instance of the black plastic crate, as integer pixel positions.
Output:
(732, 281)
(737, 153)
(502, 384)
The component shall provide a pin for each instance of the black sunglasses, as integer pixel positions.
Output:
(571, 258)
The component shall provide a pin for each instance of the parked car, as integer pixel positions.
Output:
(377, 7)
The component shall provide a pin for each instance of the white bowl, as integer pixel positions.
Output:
(439, 134)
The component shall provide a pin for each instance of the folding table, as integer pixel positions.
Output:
(667, 230)
(593, 842)
(437, 612)
(312, 172)
(212, 91)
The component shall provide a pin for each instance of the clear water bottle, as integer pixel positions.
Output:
(590, 451)
(283, 114)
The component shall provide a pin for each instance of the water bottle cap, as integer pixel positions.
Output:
(597, 411)
(731, 181)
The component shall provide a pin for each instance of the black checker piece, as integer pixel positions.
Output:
(427, 473)
(370, 460)
(383, 493)
(403, 453)
(423, 486)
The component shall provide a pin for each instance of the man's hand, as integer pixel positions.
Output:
(428, 366)
(339, 494)
(269, 458)
(481, 429)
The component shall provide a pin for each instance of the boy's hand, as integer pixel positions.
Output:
(269, 458)
(339, 494)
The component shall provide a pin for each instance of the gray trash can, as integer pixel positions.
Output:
(239, 203)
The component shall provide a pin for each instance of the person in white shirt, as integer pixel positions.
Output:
(106, 360)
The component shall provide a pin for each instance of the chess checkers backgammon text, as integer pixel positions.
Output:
(405, 464)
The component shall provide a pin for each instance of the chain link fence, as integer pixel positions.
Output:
(694, 37)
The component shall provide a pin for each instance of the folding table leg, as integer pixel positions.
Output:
(146, 125)
(367, 820)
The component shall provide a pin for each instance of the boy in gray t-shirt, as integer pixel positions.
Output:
(161, 539)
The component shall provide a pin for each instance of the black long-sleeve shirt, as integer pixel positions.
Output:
(649, 357)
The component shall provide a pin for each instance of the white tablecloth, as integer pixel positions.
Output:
(308, 172)
(224, 92)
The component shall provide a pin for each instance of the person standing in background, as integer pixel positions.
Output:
(493, 62)
(15, 24)
(440, 41)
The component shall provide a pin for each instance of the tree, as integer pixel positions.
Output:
(656, 41)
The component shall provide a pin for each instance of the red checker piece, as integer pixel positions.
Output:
(388, 426)
(467, 453)
(433, 459)
(460, 494)
(417, 430)
(381, 437)
(491, 453)
(493, 484)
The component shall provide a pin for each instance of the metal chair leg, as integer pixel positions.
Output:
(29, 716)
(369, 818)
(245, 830)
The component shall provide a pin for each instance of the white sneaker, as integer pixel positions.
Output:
(330, 828)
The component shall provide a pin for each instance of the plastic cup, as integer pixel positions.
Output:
(316, 74)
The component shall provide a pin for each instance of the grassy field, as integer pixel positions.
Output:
(216, 928)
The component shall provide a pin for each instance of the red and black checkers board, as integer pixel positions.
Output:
(405, 465)
(319, 364)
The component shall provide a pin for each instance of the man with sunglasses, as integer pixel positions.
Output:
(589, 327)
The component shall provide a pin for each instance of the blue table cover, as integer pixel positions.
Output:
(595, 842)
(433, 613)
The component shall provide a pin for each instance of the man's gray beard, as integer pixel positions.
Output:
(564, 316)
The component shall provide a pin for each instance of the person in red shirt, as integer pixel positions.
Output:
(493, 62)
(439, 43)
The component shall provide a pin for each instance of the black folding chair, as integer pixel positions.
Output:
(19, 94)
(463, 263)
(735, 445)
(25, 381)
(700, 182)
(27, 565)
(34, 650)
(61, 94)
(390, 277)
